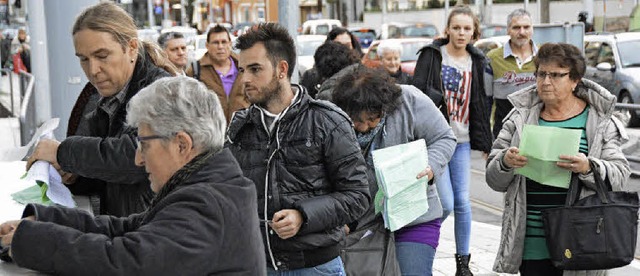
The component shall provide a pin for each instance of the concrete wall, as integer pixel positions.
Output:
(559, 12)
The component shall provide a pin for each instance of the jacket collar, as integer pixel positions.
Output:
(298, 104)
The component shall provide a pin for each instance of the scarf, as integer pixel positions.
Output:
(178, 178)
(364, 139)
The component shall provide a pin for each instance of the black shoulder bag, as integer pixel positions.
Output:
(596, 232)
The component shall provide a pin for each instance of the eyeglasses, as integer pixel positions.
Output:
(140, 139)
(542, 75)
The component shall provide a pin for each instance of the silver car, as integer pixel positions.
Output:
(613, 62)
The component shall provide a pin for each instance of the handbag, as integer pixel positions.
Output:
(369, 251)
(596, 232)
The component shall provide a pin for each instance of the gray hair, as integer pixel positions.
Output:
(387, 46)
(174, 104)
(517, 13)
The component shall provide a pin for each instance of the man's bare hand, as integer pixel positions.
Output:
(286, 223)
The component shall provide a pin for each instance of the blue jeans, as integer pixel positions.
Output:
(453, 189)
(415, 259)
(333, 267)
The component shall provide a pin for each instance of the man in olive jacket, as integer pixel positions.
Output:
(302, 155)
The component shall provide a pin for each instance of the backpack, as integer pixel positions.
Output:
(196, 69)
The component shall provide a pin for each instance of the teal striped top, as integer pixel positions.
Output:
(541, 197)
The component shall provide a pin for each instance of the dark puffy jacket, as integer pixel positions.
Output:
(311, 162)
(427, 77)
(207, 225)
(103, 154)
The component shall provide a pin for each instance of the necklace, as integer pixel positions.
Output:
(565, 113)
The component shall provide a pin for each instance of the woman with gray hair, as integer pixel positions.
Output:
(390, 52)
(202, 220)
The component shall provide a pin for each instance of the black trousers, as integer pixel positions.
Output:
(503, 107)
(539, 268)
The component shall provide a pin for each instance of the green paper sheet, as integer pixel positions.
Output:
(542, 145)
(401, 197)
(34, 194)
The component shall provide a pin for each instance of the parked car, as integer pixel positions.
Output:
(404, 30)
(149, 35)
(614, 63)
(410, 47)
(241, 28)
(200, 47)
(319, 26)
(492, 30)
(365, 36)
(306, 46)
(487, 44)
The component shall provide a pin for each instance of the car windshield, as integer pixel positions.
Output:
(410, 50)
(308, 48)
(628, 53)
(364, 35)
(419, 31)
(322, 29)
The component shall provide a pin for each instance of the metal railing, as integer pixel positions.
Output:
(628, 106)
(27, 116)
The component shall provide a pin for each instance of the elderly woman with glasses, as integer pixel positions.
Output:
(561, 98)
(202, 220)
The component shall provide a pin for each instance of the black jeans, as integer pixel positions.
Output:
(539, 268)
(503, 107)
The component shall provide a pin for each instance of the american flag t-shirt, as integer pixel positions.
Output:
(457, 85)
(456, 81)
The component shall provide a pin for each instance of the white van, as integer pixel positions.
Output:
(319, 26)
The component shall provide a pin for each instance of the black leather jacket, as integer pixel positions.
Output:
(427, 77)
(105, 157)
(310, 162)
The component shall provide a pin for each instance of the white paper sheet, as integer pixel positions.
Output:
(17, 154)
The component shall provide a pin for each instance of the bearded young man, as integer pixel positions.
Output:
(302, 155)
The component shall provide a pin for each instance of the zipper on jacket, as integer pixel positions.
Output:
(266, 196)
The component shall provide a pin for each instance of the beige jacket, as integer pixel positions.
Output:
(604, 134)
(208, 75)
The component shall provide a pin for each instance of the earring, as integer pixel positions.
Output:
(132, 60)
(281, 76)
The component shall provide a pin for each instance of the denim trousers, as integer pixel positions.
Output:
(415, 259)
(333, 267)
(453, 189)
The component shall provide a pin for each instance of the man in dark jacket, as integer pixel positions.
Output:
(302, 155)
(202, 220)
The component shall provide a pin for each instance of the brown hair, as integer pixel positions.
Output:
(563, 55)
(109, 18)
(464, 9)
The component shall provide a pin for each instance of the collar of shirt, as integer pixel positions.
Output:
(110, 104)
(508, 52)
(232, 71)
